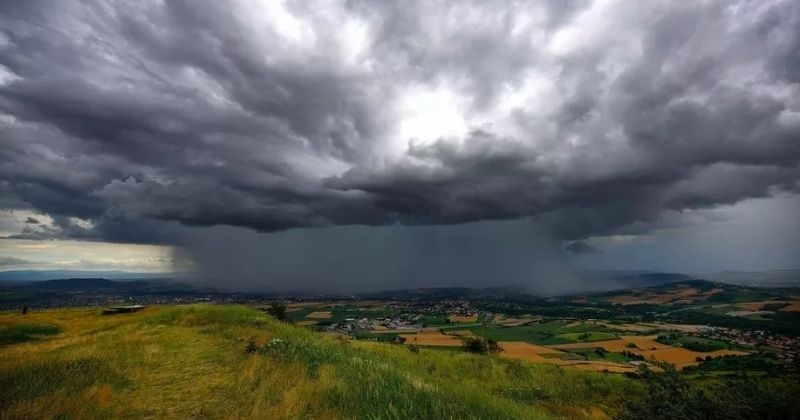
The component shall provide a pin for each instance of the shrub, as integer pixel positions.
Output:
(278, 310)
(477, 345)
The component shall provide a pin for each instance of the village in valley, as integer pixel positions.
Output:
(696, 327)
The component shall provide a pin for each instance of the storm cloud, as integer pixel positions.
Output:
(123, 121)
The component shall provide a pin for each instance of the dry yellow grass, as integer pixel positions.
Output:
(191, 362)
(463, 319)
(148, 368)
(600, 366)
(432, 339)
(319, 315)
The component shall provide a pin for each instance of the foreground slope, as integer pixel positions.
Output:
(232, 361)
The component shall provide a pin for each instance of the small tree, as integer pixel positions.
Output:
(278, 310)
(477, 345)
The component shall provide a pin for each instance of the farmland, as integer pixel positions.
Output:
(628, 329)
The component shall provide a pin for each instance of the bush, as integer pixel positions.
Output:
(478, 346)
(278, 311)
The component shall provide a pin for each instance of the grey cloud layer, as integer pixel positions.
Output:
(118, 118)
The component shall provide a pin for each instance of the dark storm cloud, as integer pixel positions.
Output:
(581, 248)
(120, 120)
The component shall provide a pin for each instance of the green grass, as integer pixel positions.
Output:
(235, 362)
(192, 361)
(434, 320)
(694, 343)
(25, 332)
(544, 333)
(587, 337)
(375, 336)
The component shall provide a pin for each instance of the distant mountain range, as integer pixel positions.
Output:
(100, 286)
(79, 281)
(39, 275)
(770, 278)
(590, 281)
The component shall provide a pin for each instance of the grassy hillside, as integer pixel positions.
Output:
(236, 362)
(193, 361)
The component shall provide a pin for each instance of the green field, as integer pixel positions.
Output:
(587, 337)
(544, 333)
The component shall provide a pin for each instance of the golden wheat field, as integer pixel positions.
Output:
(536, 354)
(463, 319)
(682, 358)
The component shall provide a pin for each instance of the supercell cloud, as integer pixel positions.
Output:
(122, 121)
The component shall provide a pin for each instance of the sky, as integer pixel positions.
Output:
(353, 145)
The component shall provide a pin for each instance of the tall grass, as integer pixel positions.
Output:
(25, 332)
(192, 361)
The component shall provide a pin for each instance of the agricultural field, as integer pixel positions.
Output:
(587, 337)
(684, 325)
(463, 319)
(545, 355)
(319, 315)
(679, 295)
(650, 349)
